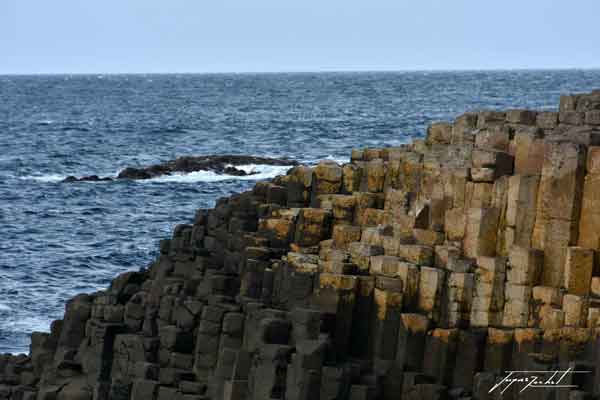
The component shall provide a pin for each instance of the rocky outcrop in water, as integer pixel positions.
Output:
(220, 164)
(424, 271)
(89, 178)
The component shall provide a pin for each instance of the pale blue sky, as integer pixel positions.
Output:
(54, 36)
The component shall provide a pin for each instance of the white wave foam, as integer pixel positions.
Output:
(259, 172)
(315, 161)
(44, 178)
(338, 159)
(4, 307)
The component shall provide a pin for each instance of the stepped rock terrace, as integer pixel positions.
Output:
(424, 271)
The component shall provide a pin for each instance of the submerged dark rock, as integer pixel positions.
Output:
(220, 164)
(90, 178)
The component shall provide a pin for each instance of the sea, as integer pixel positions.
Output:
(60, 239)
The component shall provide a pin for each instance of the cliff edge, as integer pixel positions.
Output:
(423, 271)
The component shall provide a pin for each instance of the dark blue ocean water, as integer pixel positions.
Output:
(58, 239)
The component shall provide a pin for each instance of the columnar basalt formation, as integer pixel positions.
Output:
(423, 271)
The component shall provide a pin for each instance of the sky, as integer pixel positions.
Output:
(155, 36)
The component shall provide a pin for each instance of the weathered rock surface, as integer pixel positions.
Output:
(220, 164)
(417, 272)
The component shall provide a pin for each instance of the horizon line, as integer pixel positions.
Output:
(291, 71)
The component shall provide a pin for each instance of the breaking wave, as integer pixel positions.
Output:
(258, 172)
(49, 178)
